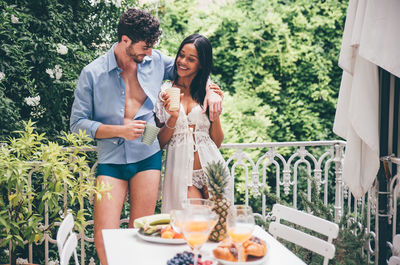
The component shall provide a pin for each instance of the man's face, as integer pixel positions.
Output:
(137, 51)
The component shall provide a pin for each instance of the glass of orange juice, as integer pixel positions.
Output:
(240, 224)
(197, 225)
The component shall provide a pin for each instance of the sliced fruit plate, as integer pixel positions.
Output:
(156, 228)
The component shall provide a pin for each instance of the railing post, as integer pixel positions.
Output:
(339, 182)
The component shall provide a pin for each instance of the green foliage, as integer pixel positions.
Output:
(36, 172)
(31, 32)
(282, 56)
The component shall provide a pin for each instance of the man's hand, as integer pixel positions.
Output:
(133, 129)
(213, 101)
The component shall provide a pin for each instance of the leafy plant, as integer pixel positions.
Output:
(35, 172)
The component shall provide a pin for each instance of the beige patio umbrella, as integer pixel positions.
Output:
(371, 38)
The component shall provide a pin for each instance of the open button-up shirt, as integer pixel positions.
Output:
(100, 99)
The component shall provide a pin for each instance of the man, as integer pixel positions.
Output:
(114, 100)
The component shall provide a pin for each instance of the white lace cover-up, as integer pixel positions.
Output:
(180, 153)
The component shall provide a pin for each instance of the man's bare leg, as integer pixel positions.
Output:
(107, 212)
(143, 194)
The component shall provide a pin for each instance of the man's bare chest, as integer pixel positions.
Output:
(135, 96)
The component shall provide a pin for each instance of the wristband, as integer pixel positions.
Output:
(172, 128)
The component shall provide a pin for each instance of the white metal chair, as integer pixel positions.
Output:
(67, 240)
(69, 248)
(324, 248)
(394, 260)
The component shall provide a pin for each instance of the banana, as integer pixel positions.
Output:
(151, 220)
(153, 229)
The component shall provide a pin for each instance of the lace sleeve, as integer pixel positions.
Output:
(159, 110)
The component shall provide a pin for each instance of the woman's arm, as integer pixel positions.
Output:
(216, 133)
(166, 131)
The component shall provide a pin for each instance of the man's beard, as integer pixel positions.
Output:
(134, 56)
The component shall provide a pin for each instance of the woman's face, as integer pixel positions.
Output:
(187, 63)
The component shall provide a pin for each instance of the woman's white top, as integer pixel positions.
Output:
(180, 153)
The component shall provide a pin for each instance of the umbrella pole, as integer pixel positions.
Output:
(383, 226)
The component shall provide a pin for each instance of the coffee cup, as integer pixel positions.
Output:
(174, 98)
(150, 133)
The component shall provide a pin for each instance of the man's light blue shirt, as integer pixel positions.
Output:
(100, 99)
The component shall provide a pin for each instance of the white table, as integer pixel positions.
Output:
(124, 247)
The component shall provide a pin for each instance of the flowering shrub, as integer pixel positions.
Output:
(45, 45)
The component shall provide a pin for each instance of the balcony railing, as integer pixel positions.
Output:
(284, 169)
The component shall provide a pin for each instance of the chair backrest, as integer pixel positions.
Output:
(394, 260)
(323, 247)
(69, 248)
(64, 234)
(64, 230)
(396, 245)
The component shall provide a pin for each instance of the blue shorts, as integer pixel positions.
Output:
(127, 171)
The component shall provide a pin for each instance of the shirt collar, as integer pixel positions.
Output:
(112, 61)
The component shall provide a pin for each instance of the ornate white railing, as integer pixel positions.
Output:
(291, 166)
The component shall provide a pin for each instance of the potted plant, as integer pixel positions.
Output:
(35, 171)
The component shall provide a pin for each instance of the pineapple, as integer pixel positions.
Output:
(217, 182)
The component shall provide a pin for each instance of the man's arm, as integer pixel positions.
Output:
(169, 73)
(213, 101)
(82, 115)
(82, 108)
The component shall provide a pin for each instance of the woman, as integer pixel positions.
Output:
(192, 140)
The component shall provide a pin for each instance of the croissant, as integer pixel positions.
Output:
(255, 247)
(227, 250)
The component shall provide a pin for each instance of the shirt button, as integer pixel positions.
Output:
(122, 110)
(123, 92)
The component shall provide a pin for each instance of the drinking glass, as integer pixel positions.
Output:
(240, 224)
(198, 223)
(197, 202)
(176, 220)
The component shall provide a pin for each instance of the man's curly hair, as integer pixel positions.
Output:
(139, 25)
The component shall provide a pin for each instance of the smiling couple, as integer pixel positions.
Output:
(117, 94)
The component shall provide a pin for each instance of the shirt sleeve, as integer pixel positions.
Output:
(169, 73)
(82, 108)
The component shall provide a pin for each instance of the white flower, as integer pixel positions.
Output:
(50, 72)
(58, 72)
(61, 49)
(7, 252)
(22, 261)
(117, 3)
(94, 2)
(33, 102)
(2, 75)
(14, 19)
(53, 262)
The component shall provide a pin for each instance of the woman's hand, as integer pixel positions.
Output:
(166, 104)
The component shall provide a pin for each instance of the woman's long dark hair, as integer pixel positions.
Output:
(204, 50)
